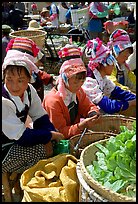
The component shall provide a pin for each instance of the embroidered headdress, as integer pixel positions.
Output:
(71, 66)
(98, 54)
(119, 40)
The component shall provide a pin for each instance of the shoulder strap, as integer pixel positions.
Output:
(5, 94)
(29, 93)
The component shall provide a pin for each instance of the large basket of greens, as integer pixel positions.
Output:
(109, 166)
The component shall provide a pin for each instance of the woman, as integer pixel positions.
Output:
(102, 91)
(22, 147)
(44, 17)
(122, 48)
(67, 103)
(54, 13)
(40, 78)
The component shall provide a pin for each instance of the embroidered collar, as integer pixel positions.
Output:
(20, 105)
(70, 97)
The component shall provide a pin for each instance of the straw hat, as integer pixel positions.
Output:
(34, 25)
(7, 28)
(44, 10)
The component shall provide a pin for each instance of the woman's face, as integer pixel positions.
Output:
(106, 71)
(75, 83)
(123, 56)
(16, 82)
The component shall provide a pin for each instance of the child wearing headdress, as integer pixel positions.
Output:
(67, 103)
(102, 91)
(40, 78)
(122, 48)
(22, 147)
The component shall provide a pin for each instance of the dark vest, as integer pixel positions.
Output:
(73, 111)
(6, 142)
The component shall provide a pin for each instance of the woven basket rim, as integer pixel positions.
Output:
(42, 33)
(95, 194)
(94, 132)
(94, 184)
(118, 116)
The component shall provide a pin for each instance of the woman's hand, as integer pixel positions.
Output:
(49, 146)
(89, 122)
(49, 149)
(57, 136)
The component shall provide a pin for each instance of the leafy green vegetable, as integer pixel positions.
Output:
(115, 166)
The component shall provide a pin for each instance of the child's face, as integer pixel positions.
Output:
(75, 83)
(16, 83)
(123, 56)
(106, 70)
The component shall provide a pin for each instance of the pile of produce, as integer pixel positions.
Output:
(115, 167)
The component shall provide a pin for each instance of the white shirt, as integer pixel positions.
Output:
(131, 61)
(55, 22)
(62, 14)
(12, 126)
(97, 88)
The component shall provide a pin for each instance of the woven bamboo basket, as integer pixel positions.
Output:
(86, 193)
(112, 123)
(109, 126)
(88, 139)
(63, 29)
(86, 158)
(37, 36)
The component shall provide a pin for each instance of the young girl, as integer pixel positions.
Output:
(119, 42)
(103, 92)
(22, 147)
(40, 78)
(67, 103)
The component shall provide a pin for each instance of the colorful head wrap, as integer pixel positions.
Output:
(17, 58)
(98, 54)
(23, 44)
(69, 67)
(119, 40)
(69, 52)
(21, 52)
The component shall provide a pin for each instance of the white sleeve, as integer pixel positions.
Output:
(109, 86)
(12, 126)
(131, 61)
(53, 8)
(92, 90)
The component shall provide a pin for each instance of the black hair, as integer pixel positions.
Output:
(81, 75)
(19, 69)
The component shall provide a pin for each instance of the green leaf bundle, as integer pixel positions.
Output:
(115, 166)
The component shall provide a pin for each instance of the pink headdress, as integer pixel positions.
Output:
(21, 51)
(73, 64)
(23, 44)
(18, 58)
(70, 51)
(119, 40)
(67, 70)
(98, 54)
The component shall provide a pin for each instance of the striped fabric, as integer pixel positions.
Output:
(23, 45)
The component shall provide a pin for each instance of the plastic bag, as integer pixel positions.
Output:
(60, 147)
(116, 9)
